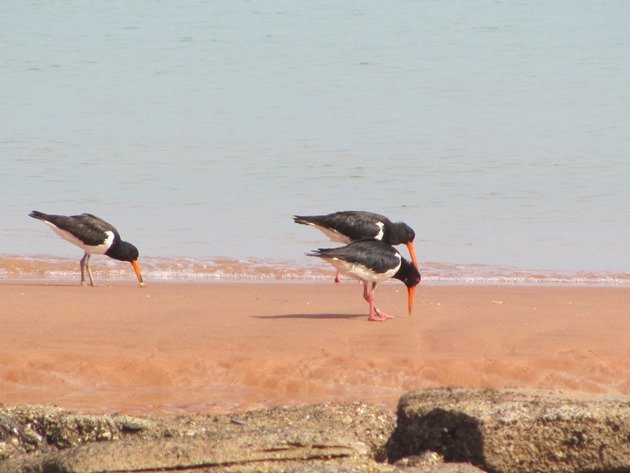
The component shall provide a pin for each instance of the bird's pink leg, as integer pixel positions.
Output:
(368, 295)
(85, 264)
(82, 264)
(366, 292)
(375, 315)
(338, 277)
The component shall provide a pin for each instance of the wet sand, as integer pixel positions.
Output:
(222, 347)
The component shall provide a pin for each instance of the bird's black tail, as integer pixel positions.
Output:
(321, 252)
(302, 220)
(38, 215)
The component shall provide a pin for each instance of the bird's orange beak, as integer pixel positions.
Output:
(410, 294)
(136, 269)
(412, 252)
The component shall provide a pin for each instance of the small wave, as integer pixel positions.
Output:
(181, 269)
(484, 274)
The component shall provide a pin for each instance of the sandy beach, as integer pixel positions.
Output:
(224, 347)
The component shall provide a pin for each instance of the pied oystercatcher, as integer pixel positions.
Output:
(353, 225)
(94, 235)
(372, 261)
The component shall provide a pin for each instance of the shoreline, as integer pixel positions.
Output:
(218, 269)
(32, 281)
(175, 347)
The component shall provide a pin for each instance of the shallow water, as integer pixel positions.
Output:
(499, 131)
(52, 268)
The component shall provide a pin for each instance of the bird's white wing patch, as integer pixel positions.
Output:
(379, 235)
(98, 249)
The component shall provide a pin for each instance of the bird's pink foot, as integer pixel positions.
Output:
(376, 315)
(338, 277)
(382, 315)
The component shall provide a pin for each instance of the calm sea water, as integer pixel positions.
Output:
(500, 131)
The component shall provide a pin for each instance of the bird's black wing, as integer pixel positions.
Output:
(94, 227)
(354, 224)
(86, 227)
(374, 255)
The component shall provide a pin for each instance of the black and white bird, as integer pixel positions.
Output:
(372, 262)
(93, 235)
(354, 225)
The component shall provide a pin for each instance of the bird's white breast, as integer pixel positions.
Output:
(361, 272)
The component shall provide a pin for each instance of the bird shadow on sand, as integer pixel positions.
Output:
(40, 284)
(310, 316)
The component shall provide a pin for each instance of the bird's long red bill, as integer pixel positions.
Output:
(410, 294)
(136, 268)
(412, 252)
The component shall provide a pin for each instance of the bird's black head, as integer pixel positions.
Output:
(400, 233)
(123, 251)
(408, 274)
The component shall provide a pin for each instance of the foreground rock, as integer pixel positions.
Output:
(511, 431)
(438, 431)
(348, 436)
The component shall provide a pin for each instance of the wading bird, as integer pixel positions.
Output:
(354, 225)
(371, 262)
(93, 235)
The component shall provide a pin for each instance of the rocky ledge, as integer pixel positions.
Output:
(436, 431)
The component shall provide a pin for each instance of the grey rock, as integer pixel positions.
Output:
(340, 437)
(438, 431)
(432, 462)
(16, 436)
(204, 452)
(515, 431)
